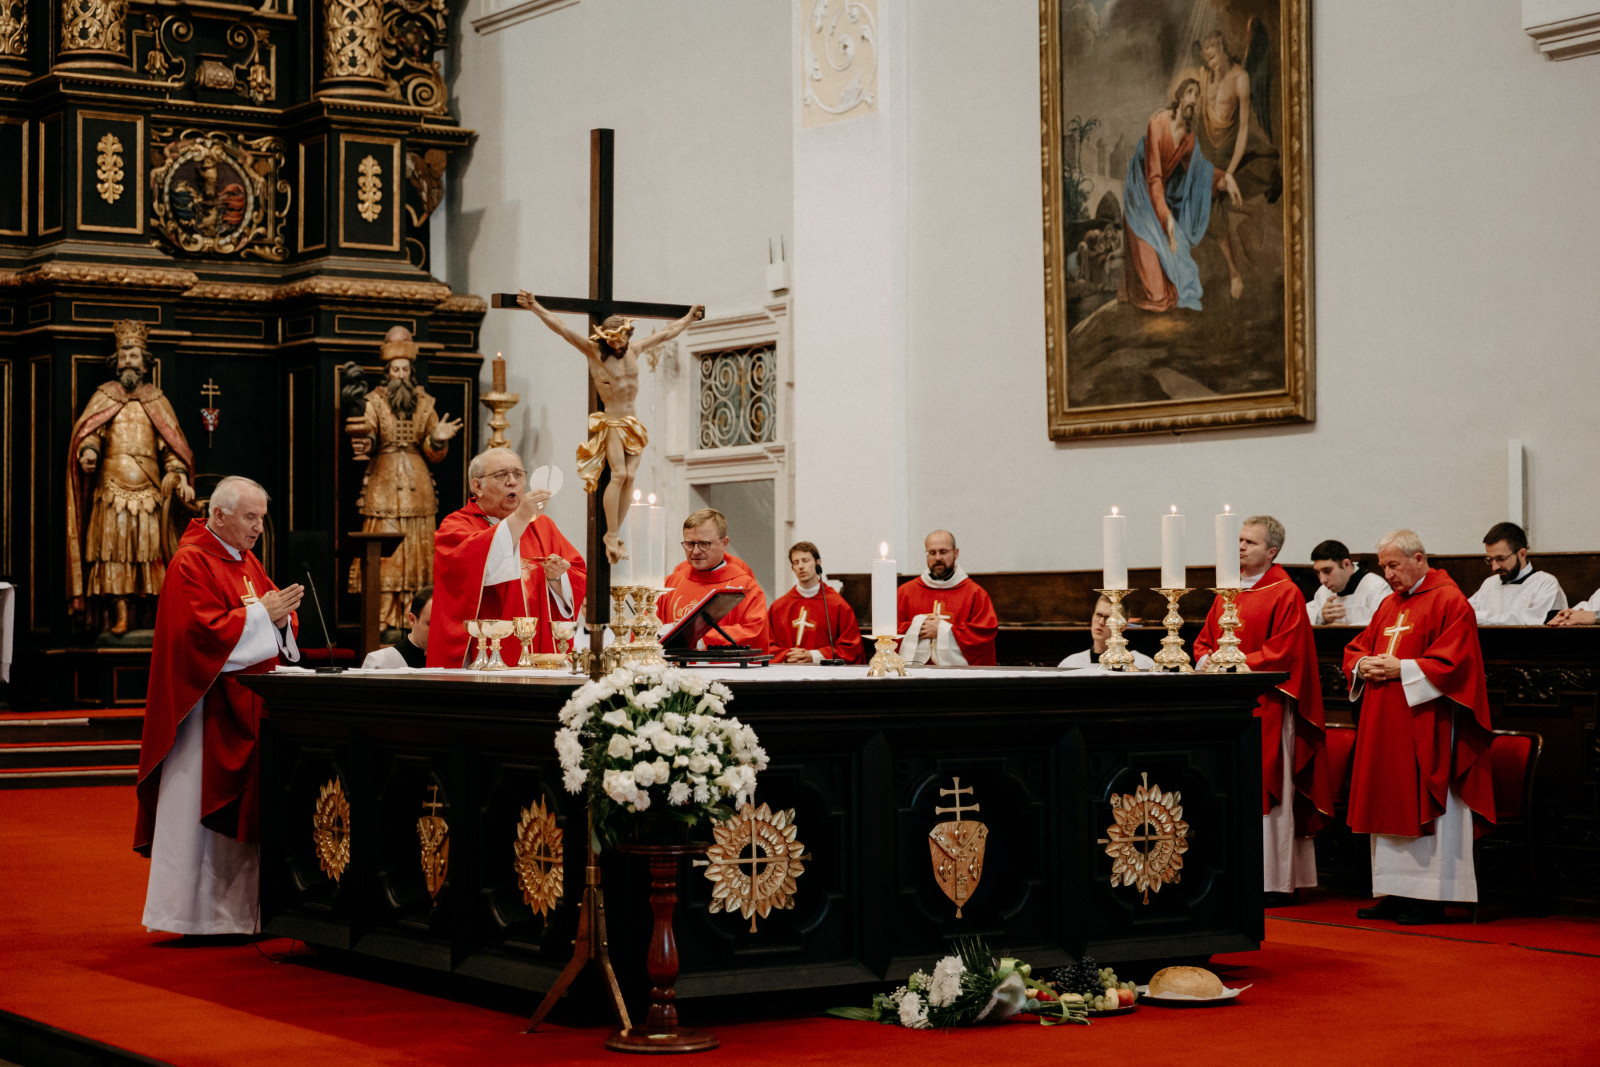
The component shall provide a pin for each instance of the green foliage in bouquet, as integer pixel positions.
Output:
(967, 989)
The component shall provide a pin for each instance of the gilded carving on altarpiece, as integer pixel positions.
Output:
(212, 196)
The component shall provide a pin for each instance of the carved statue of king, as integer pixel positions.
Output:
(398, 433)
(128, 460)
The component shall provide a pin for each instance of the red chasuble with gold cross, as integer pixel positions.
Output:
(1275, 635)
(1405, 762)
(797, 621)
(965, 606)
(746, 623)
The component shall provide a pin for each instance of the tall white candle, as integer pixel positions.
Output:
(655, 574)
(627, 571)
(1229, 526)
(1172, 570)
(1114, 564)
(884, 580)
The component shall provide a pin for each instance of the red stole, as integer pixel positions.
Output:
(797, 621)
(1275, 635)
(460, 555)
(199, 619)
(967, 609)
(746, 623)
(1404, 763)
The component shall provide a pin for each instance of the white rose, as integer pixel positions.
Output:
(616, 717)
(619, 786)
(620, 747)
(680, 761)
(663, 771)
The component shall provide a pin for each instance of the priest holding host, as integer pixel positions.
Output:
(500, 557)
(1420, 777)
(219, 617)
(709, 567)
(1297, 786)
(947, 618)
(812, 622)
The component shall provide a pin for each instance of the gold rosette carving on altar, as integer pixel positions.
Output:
(753, 862)
(541, 858)
(1147, 842)
(330, 829)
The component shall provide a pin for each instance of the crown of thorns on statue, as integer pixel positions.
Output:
(397, 344)
(616, 337)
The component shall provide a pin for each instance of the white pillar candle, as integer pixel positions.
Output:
(1229, 527)
(884, 581)
(627, 571)
(655, 574)
(1172, 570)
(1114, 562)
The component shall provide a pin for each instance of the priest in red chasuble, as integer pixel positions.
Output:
(709, 567)
(1420, 777)
(500, 558)
(219, 617)
(1297, 787)
(812, 622)
(946, 617)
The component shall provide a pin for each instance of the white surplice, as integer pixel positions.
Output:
(203, 882)
(1087, 658)
(1360, 603)
(1287, 862)
(505, 565)
(1523, 601)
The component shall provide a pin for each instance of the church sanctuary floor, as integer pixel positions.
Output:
(76, 960)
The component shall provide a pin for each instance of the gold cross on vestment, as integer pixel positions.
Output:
(249, 596)
(801, 625)
(958, 809)
(1393, 633)
(938, 612)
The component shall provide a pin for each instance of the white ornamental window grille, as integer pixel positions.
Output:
(737, 399)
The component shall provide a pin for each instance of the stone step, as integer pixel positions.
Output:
(57, 777)
(69, 754)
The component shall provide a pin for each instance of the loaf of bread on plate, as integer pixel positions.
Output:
(1190, 981)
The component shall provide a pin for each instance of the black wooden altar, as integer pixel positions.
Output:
(861, 761)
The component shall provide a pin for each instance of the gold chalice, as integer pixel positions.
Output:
(475, 630)
(496, 630)
(526, 627)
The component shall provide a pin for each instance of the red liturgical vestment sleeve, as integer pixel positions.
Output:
(746, 623)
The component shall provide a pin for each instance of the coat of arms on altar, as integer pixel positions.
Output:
(956, 846)
(212, 196)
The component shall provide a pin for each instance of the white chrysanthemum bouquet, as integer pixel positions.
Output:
(655, 739)
(967, 989)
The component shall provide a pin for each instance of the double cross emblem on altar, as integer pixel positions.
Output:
(957, 846)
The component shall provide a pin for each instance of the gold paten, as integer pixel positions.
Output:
(957, 846)
(1148, 839)
(1172, 657)
(434, 835)
(541, 858)
(753, 862)
(330, 829)
(369, 199)
(1227, 657)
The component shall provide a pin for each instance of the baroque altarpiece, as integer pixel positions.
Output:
(253, 183)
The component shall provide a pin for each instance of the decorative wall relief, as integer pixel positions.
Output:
(108, 168)
(330, 829)
(413, 31)
(94, 26)
(433, 835)
(540, 858)
(369, 190)
(957, 847)
(214, 197)
(256, 76)
(754, 862)
(159, 59)
(353, 39)
(1147, 841)
(13, 32)
(838, 61)
(425, 172)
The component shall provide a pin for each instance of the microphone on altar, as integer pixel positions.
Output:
(822, 595)
(311, 583)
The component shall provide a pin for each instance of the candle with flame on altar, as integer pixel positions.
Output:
(655, 550)
(499, 373)
(630, 571)
(1229, 527)
(1172, 570)
(884, 580)
(1114, 557)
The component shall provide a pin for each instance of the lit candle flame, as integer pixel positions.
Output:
(499, 355)
(1174, 509)
(652, 500)
(636, 495)
(883, 550)
(1113, 509)
(1227, 509)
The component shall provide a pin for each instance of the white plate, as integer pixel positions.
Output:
(546, 478)
(1182, 1000)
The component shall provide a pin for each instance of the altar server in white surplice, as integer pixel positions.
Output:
(1100, 631)
(1515, 594)
(1348, 592)
(1583, 613)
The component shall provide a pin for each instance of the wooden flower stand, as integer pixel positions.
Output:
(661, 1032)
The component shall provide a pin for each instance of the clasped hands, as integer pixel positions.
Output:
(1382, 668)
(280, 602)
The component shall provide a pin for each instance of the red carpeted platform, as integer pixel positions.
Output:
(76, 958)
(1495, 926)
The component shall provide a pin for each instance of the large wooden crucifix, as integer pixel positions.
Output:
(598, 306)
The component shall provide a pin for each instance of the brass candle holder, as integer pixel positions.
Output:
(644, 648)
(1227, 657)
(526, 627)
(1116, 657)
(1172, 657)
(498, 404)
(886, 660)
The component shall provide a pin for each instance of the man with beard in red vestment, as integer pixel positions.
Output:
(1419, 778)
(947, 618)
(499, 558)
(709, 567)
(1297, 788)
(219, 617)
(812, 622)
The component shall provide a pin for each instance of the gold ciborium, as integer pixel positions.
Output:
(1172, 657)
(885, 659)
(475, 630)
(496, 630)
(526, 627)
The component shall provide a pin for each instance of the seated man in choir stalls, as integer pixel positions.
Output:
(709, 567)
(1514, 594)
(1349, 592)
(1583, 613)
(812, 623)
(948, 619)
(500, 558)
(412, 648)
(1100, 630)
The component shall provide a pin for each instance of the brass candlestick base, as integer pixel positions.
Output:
(1116, 657)
(1172, 657)
(1227, 657)
(885, 660)
(498, 404)
(644, 650)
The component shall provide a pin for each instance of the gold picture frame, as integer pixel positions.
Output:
(1235, 343)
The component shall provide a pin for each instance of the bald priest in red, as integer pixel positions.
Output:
(709, 567)
(946, 617)
(812, 622)
(219, 617)
(500, 558)
(1420, 776)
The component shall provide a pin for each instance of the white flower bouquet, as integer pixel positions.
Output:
(967, 989)
(657, 740)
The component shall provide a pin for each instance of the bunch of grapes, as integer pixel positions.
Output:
(1082, 977)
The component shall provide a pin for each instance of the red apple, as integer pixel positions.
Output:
(1124, 997)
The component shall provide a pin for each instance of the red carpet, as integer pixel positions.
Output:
(76, 958)
(1495, 926)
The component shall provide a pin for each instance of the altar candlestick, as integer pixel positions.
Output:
(628, 570)
(1172, 570)
(1229, 527)
(655, 534)
(1115, 559)
(499, 373)
(884, 577)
